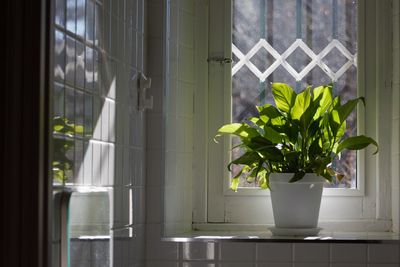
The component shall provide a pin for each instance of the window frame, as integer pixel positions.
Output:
(211, 206)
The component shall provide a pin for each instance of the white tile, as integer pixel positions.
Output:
(121, 39)
(114, 35)
(311, 264)
(154, 131)
(186, 28)
(186, 64)
(153, 204)
(97, 107)
(350, 253)
(274, 264)
(126, 167)
(156, 23)
(119, 125)
(198, 251)
(172, 212)
(348, 265)
(139, 201)
(170, 168)
(105, 116)
(137, 245)
(153, 167)
(155, 68)
(96, 163)
(198, 264)
(171, 133)
(117, 206)
(274, 252)
(132, 165)
(157, 249)
(187, 5)
(104, 164)
(311, 252)
(237, 252)
(88, 163)
(140, 171)
(383, 253)
(111, 164)
(162, 264)
(382, 265)
(119, 156)
(156, 91)
(173, 22)
(112, 126)
(237, 264)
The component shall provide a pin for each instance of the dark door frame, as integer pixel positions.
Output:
(25, 183)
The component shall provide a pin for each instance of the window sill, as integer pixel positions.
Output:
(266, 236)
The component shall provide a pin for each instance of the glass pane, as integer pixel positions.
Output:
(269, 44)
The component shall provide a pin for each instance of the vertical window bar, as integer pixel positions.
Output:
(298, 33)
(334, 29)
(298, 19)
(335, 19)
(263, 11)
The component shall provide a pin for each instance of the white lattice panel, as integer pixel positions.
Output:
(280, 59)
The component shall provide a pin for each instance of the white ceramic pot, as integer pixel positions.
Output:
(296, 205)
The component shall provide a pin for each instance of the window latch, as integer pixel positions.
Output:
(144, 83)
(220, 60)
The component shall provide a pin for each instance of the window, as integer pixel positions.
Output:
(300, 43)
(355, 208)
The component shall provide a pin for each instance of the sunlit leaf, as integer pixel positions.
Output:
(284, 96)
(357, 143)
(301, 104)
(325, 101)
(240, 129)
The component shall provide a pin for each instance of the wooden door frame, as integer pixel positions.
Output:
(25, 110)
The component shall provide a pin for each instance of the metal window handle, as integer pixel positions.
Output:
(144, 84)
(220, 60)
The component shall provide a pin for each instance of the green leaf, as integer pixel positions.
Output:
(334, 121)
(357, 143)
(270, 111)
(345, 110)
(327, 176)
(235, 182)
(263, 181)
(240, 129)
(284, 96)
(335, 103)
(341, 131)
(301, 104)
(79, 129)
(270, 153)
(247, 158)
(325, 101)
(272, 135)
(297, 176)
(308, 115)
(315, 148)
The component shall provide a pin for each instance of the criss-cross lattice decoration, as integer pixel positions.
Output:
(280, 60)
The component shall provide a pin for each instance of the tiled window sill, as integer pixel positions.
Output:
(266, 236)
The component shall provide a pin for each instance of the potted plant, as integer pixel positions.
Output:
(289, 149)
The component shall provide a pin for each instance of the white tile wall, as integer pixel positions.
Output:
(99, 49)
(396, 116)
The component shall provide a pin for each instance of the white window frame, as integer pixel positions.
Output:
(367, 207)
